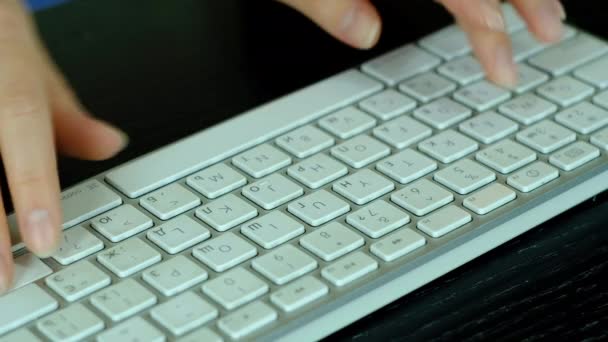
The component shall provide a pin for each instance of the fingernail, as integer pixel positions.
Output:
(41, 233)
(493, 18)
(360, 29)
(550, 15)
(506, 73)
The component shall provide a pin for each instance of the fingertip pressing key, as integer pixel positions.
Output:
(40, 233)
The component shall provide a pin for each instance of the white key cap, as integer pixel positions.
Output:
(129, 257)
(601, 99)
(76, 243)
(465, 176)
(488, 127)
(184, 313)
(448, 43)
(24, 305)
(442, 113)
(21, 335)
(317, 171)
(261, 160)
(525, 44)
(170, 201)
(482, 95)
(397, 244)
(427, 87)
(247, 320)
(331, 241)
(595, 73)
(422, 197)
(533, 177)
(600, 139)
(284, 264)
(272, 191)
(489, 199)
(123, 299)
(226, 212)
(407, 166)
(224, 252)
(74, 323)
(444, 221)
(360, 151)
(203, 334)
(235, 288)
(121, 223)
(528, 109)
(506, 156)
(349, 269)
(272, 229)
(570, 54)
(174, 276)
(565, 91)
(387, 104)
(513, 21)
(135, 329)
(216, 180)
(86, 200)
(305, 141)
(347, 123)
(178, 234)
(574, 156)
(402, 132)
(299, 293)
(28, 269)
(378, 219)
(546, 136)
(363, 186)
(583, 118)
(448, 146)
(463, 70)
(318, 207)
(529, 78)
(78, 281)
(400, 64)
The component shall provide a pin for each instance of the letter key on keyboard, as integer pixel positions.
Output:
(427, 87)
(506, 156)
(216, 180)
(378, 219)
(402, 132)
(465, 176)
(463, 70)
(246, 320)
(482, 95)
(135, 329)
(331, 241)
(444, 221)
(528, 109)
(546, 136)
(174, 275)
(121, 223)
(305, 141)
(76, 243)
(422, 197)
(235, 288)
(299, 293)
(442, 113)
(387, 104)
(584, 118)
(78, 281)
(489, 198)
(184, 313)
(284, 264)
(448, 146)
(397, 244)
(347, 122)
(261, 161)
(407, 166)
(349, 268)
(360, 151)
(363, 186)
(74, 323)
(123, 300)
(224, 252)
(226, 212)
(170, 201)
(178, 234)
(129, 257)
(565, 91)
(317, 171)
(318, 208)
(272, 229)
(272, 191)
(600, 139)
(488, 127)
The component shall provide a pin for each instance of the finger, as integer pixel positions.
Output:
(6, 256)
(477, 14)
(355, 22)
(544, 18)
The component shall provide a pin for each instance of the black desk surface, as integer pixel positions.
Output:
(164, 69)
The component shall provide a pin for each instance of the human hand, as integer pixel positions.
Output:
(357, 23)
(38, 113)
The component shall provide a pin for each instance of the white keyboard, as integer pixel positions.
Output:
(301, 216)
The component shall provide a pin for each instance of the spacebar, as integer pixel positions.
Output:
(219, 142)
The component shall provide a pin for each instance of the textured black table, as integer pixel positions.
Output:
(164, 69)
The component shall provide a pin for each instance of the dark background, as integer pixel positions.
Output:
(163, 69)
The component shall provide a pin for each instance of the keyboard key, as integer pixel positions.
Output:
(76, 243)
(272, 229)
(595, 73)
(400, 64)
(482, 95)
(247, 320)
(427, 87)
(533, 177)
(174, 275)
(20, 335)
(74, 323)
(178, 234)
(444, 221)
(284, 264)
(261, 160)
(299, 293)
(224, 252)
(318, 208)
(506, 156)
(347, 123)
(528, 78)
(528, 109)
(78, 281)
(235, 288)
(513, 21)
(448, 146)
(601, 99)
(442, 113)
(226, 212)
(565, 91)
(85, 201)
(378, 219)
(525, 43)
(184, 313)
(129, 257)
(272, 191)
(123, 300)
(463, 70)
(402, 132)
(216, 180)
(135, 329)
(600, 139)
(363, 186)
(349, 269)
(24, 305)
(422, 197)
(387, 104)
(170, 201)
(574, 156)
(397, 244)
(121, 223)
(202, 334)
(305, 141)
(465, 176)
(488, 127)
(583, 118)
(448, 43)
(317, 171)
(331, 241)
(407, 166)
(360, 151)
(546, 136)
(570, 54)
(489, 199)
